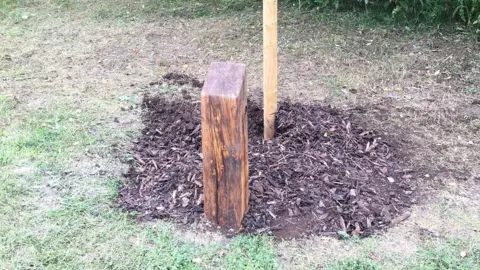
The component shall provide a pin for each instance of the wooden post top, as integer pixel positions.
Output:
(224, 79)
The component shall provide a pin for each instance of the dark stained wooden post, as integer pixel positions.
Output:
(224, 144)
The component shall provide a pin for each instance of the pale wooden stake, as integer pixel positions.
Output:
(269, 67)
(224, 144)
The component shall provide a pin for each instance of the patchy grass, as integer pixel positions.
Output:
(451, 254)
(50, 222)
(130, 11)
(353, 264)
(59, 175)
(436, 254)
(7, 104)
(14, 10)
(7, 6)
(45, 136)
(250, 253)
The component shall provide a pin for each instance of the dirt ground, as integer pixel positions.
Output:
(422, 89)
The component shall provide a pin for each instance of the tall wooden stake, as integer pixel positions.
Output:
(224, 145)
(269, 67)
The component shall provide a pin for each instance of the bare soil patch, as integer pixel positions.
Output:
(323, 173)
(179, 79)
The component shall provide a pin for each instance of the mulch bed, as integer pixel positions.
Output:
(321, 174)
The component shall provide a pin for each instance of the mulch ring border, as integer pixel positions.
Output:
(322, 174)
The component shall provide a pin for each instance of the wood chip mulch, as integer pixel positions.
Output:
(322, 173)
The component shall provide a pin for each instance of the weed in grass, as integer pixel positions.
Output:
(337, 91)
(335, 84)
(131, 99)
(112, 189)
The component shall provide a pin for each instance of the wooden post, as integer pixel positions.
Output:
(224, 144)
(269, 67)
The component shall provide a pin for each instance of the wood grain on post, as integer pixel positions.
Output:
(224, 144)
(269, 67)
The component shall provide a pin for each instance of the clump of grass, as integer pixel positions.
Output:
(6, 6)
(14, 10)
(361, 263)
(251, 253)
(7, 104)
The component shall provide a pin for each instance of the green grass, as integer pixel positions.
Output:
(14, 10)
(353, 264)
(45, 136)
(454, 253)
(6, 6)
(7, 104)
(55, 221)
(87, 234)
(436, 254)
(127, 11)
